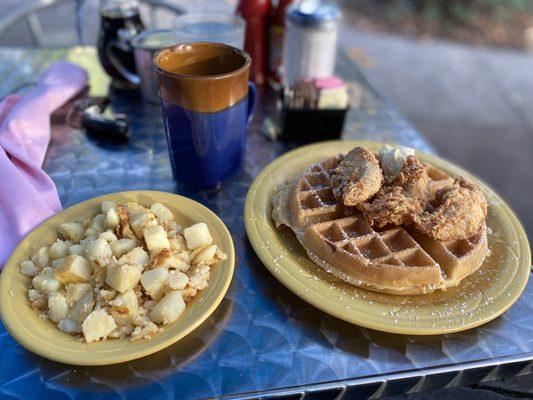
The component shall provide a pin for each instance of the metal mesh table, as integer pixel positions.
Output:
(262, 341)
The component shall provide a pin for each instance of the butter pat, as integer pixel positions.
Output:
(392, 159)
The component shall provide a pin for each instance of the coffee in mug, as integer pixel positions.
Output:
(207, 102)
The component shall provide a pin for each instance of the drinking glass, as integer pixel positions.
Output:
(209, 27)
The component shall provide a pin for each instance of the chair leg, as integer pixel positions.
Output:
(35, 29)
(79, 21)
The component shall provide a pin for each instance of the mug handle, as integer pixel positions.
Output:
(252, 101)
(126, 74)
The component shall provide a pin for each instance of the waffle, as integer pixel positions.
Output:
(394, 260)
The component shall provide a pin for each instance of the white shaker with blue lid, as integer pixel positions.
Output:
(310, 40)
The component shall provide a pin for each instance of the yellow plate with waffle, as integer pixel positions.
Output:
(478, 298)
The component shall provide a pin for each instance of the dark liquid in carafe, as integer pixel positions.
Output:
(111, 22)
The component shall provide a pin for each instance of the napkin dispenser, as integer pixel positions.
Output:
(314, 110)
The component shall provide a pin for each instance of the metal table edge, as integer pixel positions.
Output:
(342, 385)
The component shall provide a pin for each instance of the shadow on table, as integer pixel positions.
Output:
(149, 368)
(330, 332)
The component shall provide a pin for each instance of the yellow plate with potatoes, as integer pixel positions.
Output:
(45, 339)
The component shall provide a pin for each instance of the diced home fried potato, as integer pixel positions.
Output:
(178, 243)
(28, 268)
(178, 280)
(220, 254)
(39, 301)
(100, 275)
(121, 332)
(97, 325)
(123, 277)
(78, 249)
(108, 235)
(135, 256)
(156, 238)
(45, 282)
(98, 253)
(40, 304)
(82, 307)
(197, 251)
(108, 205)
(87, 241)
(162, 212)
(172, 228)
(199, 276)
(123, 229)
(154, 282)
(183, 260)
(41, 258)
(74, 269)
(146, 332)
(149, 304)
(189, 293)
(139, 220)
(86, 222)
(75, 292)
(34, 295)
(122, 246)
(134, 207)
(58, 262)
(57, 307)
(151, 222)
(98, 223)
(59, 249)
(162, 259)
(206, 255)
(69, 326)
(197, 235)
(127, 299)
(107, 295)
(72, 231)
(168, 309)
(90, 234)
(112, 218)
(124, 307)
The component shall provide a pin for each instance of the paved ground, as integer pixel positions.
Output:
(474, 105)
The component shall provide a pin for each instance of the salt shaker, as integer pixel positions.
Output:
(310, 40)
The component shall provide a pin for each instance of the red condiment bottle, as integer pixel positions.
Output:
(256, 13)
(275, 47)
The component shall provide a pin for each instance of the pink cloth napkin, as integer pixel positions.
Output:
(27, 195)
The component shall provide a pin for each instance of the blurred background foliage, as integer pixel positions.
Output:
(488, 22)
(459, 10)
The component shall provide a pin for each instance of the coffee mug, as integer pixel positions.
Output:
(207, 102)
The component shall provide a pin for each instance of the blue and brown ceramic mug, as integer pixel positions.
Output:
(207, 102)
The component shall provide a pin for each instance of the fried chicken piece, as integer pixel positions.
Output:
(457, 213)
(434, 186)
(357, 178)
(403, 196)
(437, 180)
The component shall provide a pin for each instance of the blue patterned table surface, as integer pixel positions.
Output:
(262, 337)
